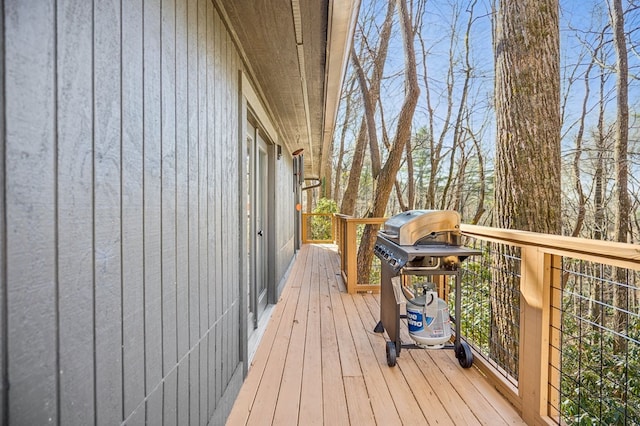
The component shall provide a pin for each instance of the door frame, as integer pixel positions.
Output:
(252, 109)
(260, 195)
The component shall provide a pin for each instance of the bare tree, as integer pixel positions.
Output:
(348, 99)
(403, 133)
(379, 57)
(622, 223)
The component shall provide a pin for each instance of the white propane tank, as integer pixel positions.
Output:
(428, 320)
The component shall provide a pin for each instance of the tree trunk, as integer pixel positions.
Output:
(369, 114)
(481, 191)
(402, 135)
(348, 206)
(411, 185)
(622, 223)
(350, 196)
(343, 135)
(527, 188)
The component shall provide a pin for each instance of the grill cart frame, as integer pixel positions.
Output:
(434, 250)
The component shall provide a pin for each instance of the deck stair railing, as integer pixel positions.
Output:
(572, 353)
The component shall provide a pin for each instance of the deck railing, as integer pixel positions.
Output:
(578, 334)
(572, 355)
(318, 228)
(347, 239)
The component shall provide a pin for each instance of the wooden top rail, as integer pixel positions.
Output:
(614, 253)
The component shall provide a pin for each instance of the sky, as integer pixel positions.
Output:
(580, 22)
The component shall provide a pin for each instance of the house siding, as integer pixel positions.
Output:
(285, 207)
(121, 187)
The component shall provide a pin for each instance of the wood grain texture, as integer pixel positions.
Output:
(183, 393)
(194, 386)
(204, 376)
(182, 182)
(202, 212)
(168, 184)
(107, 212)
(120, 270)
(426, 386)
(152, 197)
(193, 189)
(170, 399)
(4, 392)
(75, 211)
(214, 267)
(30, 215)
(132, 209)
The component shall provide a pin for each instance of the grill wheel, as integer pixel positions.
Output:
(391, 354)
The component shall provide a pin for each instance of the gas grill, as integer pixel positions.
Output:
(418, 245)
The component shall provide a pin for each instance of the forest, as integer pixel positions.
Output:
(449, 159)
(519, 115)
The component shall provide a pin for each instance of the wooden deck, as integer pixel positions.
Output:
(319, 362)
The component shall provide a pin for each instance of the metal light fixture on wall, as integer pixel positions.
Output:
(279, 151)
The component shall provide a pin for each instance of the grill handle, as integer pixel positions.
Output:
(421, 268)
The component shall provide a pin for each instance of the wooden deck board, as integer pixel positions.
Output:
(333, 395)
(319, 362)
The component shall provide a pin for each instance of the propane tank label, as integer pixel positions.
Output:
(414, 320)
(431, 304)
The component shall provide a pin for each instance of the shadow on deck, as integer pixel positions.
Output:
(319, 362)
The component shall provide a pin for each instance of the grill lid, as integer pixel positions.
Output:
(423, 227)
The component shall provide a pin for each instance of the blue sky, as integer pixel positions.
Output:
(580, 21)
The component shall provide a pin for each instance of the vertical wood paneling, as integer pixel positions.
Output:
(240, 208)
(137, 418)
(121, 277)
(30, 211)
(235, 149)
(75, 210)
(204, 373)
(182, 213)
(229, 212)
(203, 209)
(223, 161)
(214, 138)
(170, 399)
(193, 215)
(132, 208)
(192, 96)
(211, 212)
(107, 199)
(202, 166)
(168, 186)
(182, 183)
(155, 408)
(243, 231)
(152, 198)
(194, 385)
(3, 241)
(215, 369)
(183, 393)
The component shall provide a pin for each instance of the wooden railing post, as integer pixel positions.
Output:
(305, 225)
(534, 333)
(555, 339)
(351, 257)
